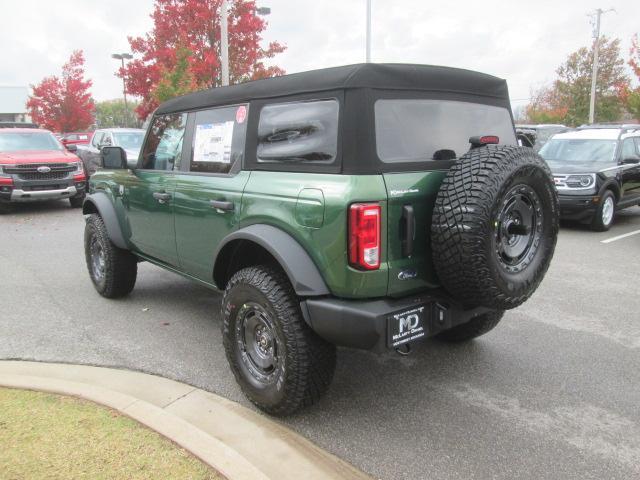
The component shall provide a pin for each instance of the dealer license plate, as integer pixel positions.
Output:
(407, 326)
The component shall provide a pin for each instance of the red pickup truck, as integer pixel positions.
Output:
(35, 166)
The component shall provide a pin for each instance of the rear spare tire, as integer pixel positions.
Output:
(494, 228)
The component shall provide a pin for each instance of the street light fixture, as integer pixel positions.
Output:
(224, 37)
(122, 57)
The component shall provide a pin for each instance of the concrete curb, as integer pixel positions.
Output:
(240, 443)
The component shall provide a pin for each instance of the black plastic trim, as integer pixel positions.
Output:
(302, 272)
(105, 209)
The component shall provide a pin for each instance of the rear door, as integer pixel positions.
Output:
(208, 191)
(424, 137)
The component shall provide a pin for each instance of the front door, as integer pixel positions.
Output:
(208, 195)
(630, 171)
(148, 195)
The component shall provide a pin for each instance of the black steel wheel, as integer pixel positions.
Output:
(112, 270)
(494, 226)
(278, 361)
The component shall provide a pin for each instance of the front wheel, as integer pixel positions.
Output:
(113, 271)
(603, 218)
(278, 361)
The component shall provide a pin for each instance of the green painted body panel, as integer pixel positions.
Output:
(200, 227)
(184, 232)
(419, 190)
(271, 198)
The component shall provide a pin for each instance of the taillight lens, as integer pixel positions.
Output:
(364, 235)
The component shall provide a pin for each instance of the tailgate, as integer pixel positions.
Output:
(411, 196)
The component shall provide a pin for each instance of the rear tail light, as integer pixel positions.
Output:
(364, 236)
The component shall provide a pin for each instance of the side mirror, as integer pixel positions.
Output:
(113, 158)
(631, 160)
(72, 147)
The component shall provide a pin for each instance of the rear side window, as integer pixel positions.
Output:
(163, 147)
(218, 139)
(299, 132)
(415, 130)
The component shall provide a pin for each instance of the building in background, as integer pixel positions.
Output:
(13, 104)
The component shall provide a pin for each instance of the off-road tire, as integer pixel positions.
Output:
(120, 266)
(76, 201)
(467, 222)
(597, 223)
(308, 361)
(473, 328)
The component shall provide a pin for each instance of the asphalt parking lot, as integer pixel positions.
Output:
(552, 392)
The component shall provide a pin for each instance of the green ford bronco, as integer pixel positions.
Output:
(367, 206)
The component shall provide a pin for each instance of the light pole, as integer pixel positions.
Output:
(122, 57)
(594, 69)
(368, 35)
(224, 38)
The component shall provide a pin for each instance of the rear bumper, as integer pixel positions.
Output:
(574, 207)
(365, 324)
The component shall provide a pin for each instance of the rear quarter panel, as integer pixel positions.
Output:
(272, 197)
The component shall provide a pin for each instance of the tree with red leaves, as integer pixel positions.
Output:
(63, 104)
(193, 26)
(632, 96)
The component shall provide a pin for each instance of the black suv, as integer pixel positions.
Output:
(596, 170)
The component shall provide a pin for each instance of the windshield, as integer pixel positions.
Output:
(129, 140)
(17, 141)
(579, 150)
(414, 130)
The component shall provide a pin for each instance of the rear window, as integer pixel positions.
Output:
(300, 132)
(413, 130)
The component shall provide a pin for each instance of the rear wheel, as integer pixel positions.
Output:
(603, 218)
(494, 228)
(473, 328)
(113, 271)
(278, 361)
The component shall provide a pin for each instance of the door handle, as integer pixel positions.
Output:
(222, 205)
(409, 227)
(162, 197)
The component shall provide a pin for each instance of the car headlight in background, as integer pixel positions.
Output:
(580, 181)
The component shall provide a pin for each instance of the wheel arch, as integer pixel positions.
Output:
(99, 203)
(614, 187)
(265, 242)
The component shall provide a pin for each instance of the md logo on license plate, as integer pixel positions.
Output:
(406, 326)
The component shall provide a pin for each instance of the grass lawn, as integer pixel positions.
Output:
(56, 437)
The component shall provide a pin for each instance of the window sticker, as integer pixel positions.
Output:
(213, 142)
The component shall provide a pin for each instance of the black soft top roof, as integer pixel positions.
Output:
(394, 76)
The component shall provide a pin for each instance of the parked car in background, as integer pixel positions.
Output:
(538, 135)
(35, 166)
(76, 138)
(129, 139)
(596, 170)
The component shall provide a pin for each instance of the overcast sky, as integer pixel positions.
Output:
(521, 41)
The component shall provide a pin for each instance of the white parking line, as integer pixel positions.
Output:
(620, 237)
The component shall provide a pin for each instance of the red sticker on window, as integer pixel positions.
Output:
(241, 114)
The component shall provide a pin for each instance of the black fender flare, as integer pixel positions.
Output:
(613, 185)
(100, 203)
(295, 261)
